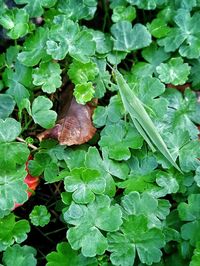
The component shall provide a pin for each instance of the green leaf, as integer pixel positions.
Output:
(121, 13)
(148, 90)
(104, 166)
(84, 183)
(196, 256)
(158, 28)
(145, 204)
(190, 213)
(186, 4)
(135, 236)
(182, 112)
(154, 55)
(139, 70)
(197, 176)
(84, 92)
(39, 215)
(168, 184)
(18, 81)
(184, 37)
(103, 42)
(88, 223)
(146, 4)
(119, 144)
(13, 154)
(65, 255)
(12, 188)
(81, 73)
(11, 55)
(78, 9)
(41, 112)
(102, 81)
(74, 158)
(7, 105)
(112, 113)
(116, 57)
(34, 48)
(127, 38)
(175, 71)
(43, 163)
(194, 74)
(66, 37)
(20, 255)
(12, 231)
(9, 129)
(189, 155)
(48, 76)
(36, 8)
(141, 119)
(16, 22)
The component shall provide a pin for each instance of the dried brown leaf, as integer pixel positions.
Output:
(74, 126)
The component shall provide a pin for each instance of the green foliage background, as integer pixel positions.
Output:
(121, 204)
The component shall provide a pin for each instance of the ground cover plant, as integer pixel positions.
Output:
(99, 149)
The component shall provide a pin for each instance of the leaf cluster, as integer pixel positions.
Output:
(131, 195)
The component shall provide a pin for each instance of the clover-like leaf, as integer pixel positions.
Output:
(66, 37)
(12, 188)
(18, 81)
(145, 4)
(183, 112)
(103, 42)
(167, 182)
(102, 81)
(16, 22)
(81, 73)
(20, 255)
(143, 173)
(158, 28)
(175, 71)
(145, 204)
(190, 212)
(13, 154)
(119, 144)
(112, 113)
(148, 90)
(196, 256)
(189, 155)
(7, 105)
(104, 166)
(121, 13)
(9, 129)
(127, 38)
(12, 231)
(84, 92)
(41, 112)
(135, 236)
(40, 216)
(36, 8)
(88, 223)
(154, 55)
(185, 36)
(48, 76)
(84, 183)
(65, 255)
(34, 48)
(78, 9)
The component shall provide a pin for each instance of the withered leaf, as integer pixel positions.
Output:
(74, 126)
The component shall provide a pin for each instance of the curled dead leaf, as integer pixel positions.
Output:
(74, 126)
